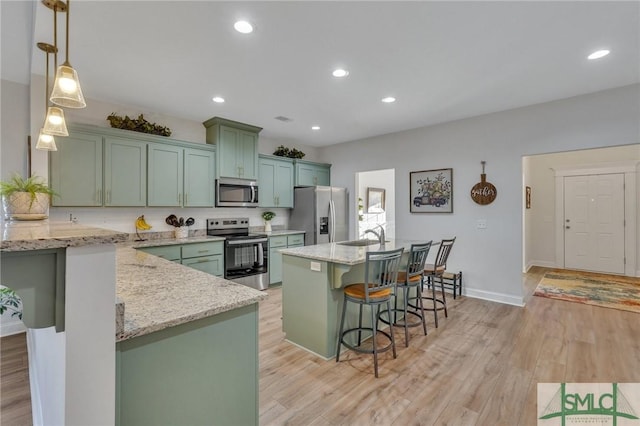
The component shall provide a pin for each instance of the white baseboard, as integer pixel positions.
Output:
(11, 326)
(542, 263)
(494, 297)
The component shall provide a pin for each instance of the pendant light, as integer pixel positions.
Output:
(54, 123)
(66, 88)
(46, 141)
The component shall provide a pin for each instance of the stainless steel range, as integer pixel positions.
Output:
(246, 255)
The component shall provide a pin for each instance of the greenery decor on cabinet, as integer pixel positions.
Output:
(137, 125)
(283, 151)
(26, 199)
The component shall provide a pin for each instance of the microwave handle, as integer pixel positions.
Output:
(253, 194)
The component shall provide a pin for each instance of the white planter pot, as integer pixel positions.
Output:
(267, 226)
(21, 206)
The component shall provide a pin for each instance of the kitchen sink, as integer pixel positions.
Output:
(359, 243)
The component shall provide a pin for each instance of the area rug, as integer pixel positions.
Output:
(607, 291)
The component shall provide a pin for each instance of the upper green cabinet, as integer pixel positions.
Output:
(75, 170)
(125, 172)
(276, 182)
(236, 146)
(180, 177)
(97, 166)
(312, 174)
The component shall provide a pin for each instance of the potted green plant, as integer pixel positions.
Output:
(267, 216)
(26, 199)
(9, 301)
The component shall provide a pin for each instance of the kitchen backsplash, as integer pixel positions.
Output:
(123, 218)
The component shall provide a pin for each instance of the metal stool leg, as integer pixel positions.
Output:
(344, 311)
(435, 303)
(374, 326)
(419, 297)
(444, 298)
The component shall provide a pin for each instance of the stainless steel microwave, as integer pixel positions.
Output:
(236, 193)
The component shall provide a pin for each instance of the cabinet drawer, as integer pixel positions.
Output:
(165, 252)
(213, 265)
(295, 240)
(202, 249)
(280, 241)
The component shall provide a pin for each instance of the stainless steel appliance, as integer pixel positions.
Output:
(236, 193)
(246, 255)
(322, 212)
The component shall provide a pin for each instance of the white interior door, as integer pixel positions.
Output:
(594, 222)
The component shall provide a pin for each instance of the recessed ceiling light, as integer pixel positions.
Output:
(315, 127)
(340, 73)
(243, 27)
(218, 99)
(388, 99)
(598, 54)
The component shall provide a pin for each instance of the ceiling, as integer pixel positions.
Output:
(442, 60)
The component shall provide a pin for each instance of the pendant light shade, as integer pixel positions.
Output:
(54, 123)
(66, 88)
(46, 142)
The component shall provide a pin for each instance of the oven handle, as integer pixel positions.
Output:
(260, 259)
(250, 241)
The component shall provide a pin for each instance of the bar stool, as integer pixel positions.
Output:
(434, 271)
(410, 278)
(381, 273)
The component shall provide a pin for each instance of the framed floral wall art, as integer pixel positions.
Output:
(431, 191)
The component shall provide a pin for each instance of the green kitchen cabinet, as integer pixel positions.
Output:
(199, 178)
(276, 182)
(236, 147)
(276, 243)
(203, 256)
(180, 176)
(75, 170)
(204, 372)
(165, 170)
(312, 174)
(207, 257)
(125, 172)
(166, 252)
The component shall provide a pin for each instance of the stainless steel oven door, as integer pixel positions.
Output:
(246, 262)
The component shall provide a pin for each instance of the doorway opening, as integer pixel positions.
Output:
(579, 210)
(375, 198)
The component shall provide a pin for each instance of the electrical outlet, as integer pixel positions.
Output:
(316, 266)
(481, 224)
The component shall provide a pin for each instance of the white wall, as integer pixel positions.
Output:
(14, 128)
(541, 216)
(491, 258)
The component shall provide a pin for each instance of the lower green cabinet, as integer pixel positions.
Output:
(206, 257)
(204, 372)
(277, 243)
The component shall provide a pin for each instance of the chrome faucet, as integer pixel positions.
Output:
(380, 236)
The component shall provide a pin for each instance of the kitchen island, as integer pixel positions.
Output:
(188, 349)
(312, 298)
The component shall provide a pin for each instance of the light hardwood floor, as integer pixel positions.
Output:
(480, 367)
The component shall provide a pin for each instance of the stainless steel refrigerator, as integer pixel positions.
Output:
(322, 212)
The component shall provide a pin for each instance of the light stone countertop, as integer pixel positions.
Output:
(42, 234)
(158, 293)
(346, 255)
(171, 241)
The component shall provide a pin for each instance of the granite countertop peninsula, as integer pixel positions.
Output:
(43, 234)
(159, 294)
(346, 255)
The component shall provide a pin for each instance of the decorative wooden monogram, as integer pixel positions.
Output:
(483, 192)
